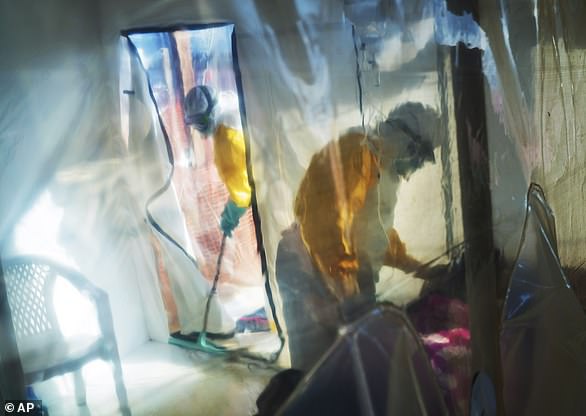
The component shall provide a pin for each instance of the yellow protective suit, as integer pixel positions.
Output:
(230, 160)
(331, 194)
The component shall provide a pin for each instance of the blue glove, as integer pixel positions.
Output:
(231, 217)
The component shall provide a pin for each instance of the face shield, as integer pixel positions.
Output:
(200, 104)
(417, 152)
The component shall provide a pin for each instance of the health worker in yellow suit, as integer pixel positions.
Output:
(328, 261)
(345, 203)
(202, 112)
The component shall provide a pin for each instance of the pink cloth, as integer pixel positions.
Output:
(443, 324)
(449, 353)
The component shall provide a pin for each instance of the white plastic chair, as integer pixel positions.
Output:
(43, 350)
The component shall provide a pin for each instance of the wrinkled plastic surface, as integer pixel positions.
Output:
(203, 174)
(72, 188)
(543, 330)
(160, 200)
(376, 367)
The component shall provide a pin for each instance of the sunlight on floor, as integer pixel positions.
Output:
(162, 379)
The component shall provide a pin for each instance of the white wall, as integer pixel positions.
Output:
(55, 139)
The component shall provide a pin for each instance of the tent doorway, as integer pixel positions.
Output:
(175, 61)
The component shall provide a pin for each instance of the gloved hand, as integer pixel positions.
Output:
(430, 273)
(231, 217)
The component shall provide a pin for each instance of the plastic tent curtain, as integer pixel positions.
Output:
(534, 121)
(312, 71)
(66, 190)
(293, 109)
(378, 367)
(157, 195)
(542, 335)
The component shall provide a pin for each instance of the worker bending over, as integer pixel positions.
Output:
(344, 232)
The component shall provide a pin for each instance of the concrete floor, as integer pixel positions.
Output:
(163, 379)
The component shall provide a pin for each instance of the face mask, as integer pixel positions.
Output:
(202, 121)
(418, 151)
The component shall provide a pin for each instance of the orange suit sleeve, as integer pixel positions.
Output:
(332, 191)
(397, 256)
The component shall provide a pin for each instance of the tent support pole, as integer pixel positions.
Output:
(473, 160)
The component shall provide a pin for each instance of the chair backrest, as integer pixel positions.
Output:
(44, 350)
(29, 286)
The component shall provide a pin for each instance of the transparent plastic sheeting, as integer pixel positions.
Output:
(175, 62)
(148, 149)
(377, 367)
(66, 183)
(72, 188)
(535, 126)
(61, 125)
(543, 333)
